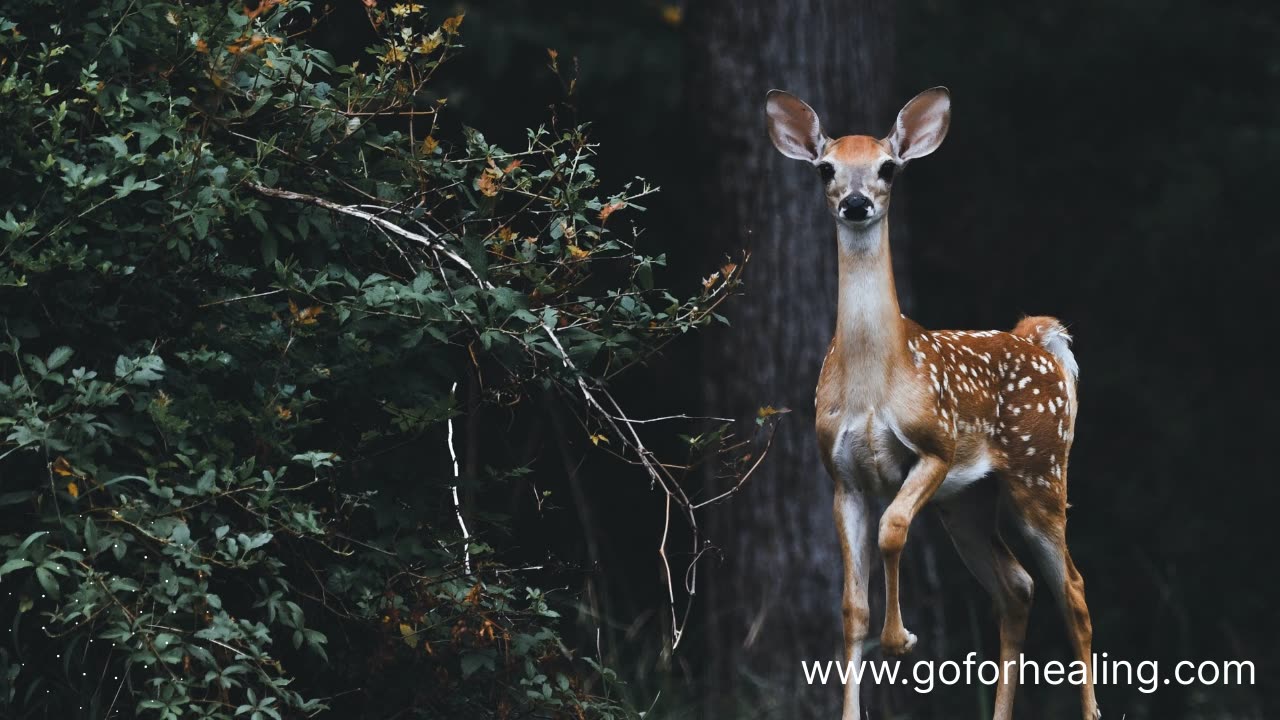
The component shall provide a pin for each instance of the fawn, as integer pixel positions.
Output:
(920, 415)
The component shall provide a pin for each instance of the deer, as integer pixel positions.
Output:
(978, 424)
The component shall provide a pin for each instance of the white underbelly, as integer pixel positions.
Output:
(873, 457)
(965, 473)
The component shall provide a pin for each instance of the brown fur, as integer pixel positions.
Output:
(958, 397)
(856, 149)
(953, 406)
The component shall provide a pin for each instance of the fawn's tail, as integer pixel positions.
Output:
(1050, 334)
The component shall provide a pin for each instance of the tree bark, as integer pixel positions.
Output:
(775, 598)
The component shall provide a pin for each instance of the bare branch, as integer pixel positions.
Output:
(432, 243)
(457, 507)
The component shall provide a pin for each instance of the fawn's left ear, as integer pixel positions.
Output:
(921, 125)
(794, 126)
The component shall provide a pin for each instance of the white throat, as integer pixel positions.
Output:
(861, 239)
(869, 326)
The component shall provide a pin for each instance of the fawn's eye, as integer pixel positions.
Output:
(886, 171)
(826, 172)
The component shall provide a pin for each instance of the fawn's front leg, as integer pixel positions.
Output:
(854, 521)
(923, 480)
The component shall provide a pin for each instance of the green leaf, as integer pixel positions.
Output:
(91, 536)
(473, 662)
(200, 222)
(22, 549)
(15, 564)
(116, 143)
(58, 357)
(48, 582)
(270, 249)
(15, 498)
(139, 371)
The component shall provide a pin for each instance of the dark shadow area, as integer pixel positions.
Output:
(1109, 164)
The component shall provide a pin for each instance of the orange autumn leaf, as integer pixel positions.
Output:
(283, 412)
(404, 9)
(728, 268)
(250, 44)
(710, 281)
(394, 54)
(506, 234)
(672, 14)
(73, 490)
(429, 145)
(578, 253)
(304, 316)
(451, 25)
(511, 166)
(609, 209)
(487, 184)
(597, 439)
(407, 634)
(263, 6)
(428, 43)
(202, 46)
(62, 468)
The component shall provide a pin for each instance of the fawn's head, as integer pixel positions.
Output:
(857, 171)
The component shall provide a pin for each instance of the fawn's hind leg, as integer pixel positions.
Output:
(1042, 520)
(971, 518)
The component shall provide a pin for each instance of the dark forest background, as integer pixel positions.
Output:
(1108, 163)
(1111, 164)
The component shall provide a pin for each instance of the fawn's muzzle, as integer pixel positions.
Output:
(855, 207)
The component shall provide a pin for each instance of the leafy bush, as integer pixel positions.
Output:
(247, 292)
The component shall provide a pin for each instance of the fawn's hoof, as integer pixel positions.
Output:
(899, 643)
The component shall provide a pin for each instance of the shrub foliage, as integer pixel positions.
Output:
(247, 293)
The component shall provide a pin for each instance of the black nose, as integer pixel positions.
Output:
(855, 207)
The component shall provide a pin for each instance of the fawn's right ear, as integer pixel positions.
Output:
(794, 126)
(922, 124)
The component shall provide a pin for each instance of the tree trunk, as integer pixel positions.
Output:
(775, 599)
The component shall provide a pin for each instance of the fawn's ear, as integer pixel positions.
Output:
(794, 126)
(921, 125)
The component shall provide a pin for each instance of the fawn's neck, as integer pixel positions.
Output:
(870, 336)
